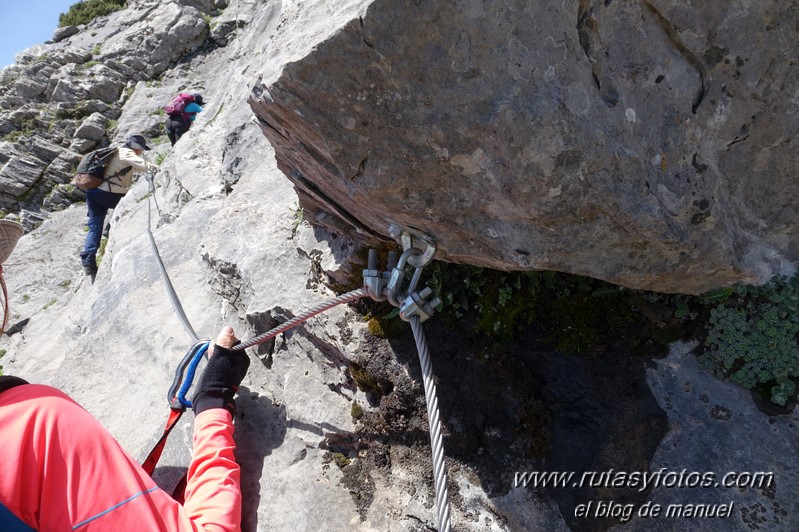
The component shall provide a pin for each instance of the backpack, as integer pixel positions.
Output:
(179, 103)
(91, 169)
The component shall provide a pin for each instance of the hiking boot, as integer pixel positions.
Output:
(90, 269)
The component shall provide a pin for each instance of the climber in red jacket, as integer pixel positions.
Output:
(61, 470)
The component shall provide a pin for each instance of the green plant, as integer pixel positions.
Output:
(2, 354)
(73, 113)
(297, 218)
(356, 411)
(49, 303)
(101, 250)
(14, 136)
(158, 112)
(25, 127)
(96, 49)
(218, 111)
(87, 10)
(365, 381)
(87, 65)
(64, 284)
(752, 338)
(340, 460)
(159, 158)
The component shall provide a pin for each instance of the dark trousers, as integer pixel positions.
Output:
(176, 126)
(98, 203)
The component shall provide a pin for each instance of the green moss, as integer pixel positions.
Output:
(365, 382)
(376, 328)
(356, 411)
(101, 250)
(389, 326)
(340, 460)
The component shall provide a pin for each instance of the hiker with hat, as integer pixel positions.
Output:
(119, 177)
(181, 113)
(60, 469)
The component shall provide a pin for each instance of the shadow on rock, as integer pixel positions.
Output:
(260, 428)
(521, 409)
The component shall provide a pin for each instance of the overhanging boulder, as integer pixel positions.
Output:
(648, 144)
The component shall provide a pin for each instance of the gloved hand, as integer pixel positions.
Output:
(222, 375)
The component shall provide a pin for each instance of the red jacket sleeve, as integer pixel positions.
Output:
(213, 491)
(60, 470)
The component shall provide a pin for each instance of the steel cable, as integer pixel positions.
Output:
(170, 290)
(436, 442)
(343, 298)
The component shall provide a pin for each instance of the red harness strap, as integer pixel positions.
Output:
(152, 459)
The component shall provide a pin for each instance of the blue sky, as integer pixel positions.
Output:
(28, 22)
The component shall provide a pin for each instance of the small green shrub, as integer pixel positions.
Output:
(76, 113)
(101, 250)
(87, 10)
(218, 111)
(752, 338)
(87, 65)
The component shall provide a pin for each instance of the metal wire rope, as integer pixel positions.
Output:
(431, 395)
(170, 290)
(436, 443)
(293, 322)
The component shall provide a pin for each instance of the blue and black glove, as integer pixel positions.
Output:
(221, 379)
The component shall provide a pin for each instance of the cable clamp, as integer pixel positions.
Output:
(416, 304)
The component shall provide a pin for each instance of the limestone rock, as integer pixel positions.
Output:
(29, 88)
(93, 128)
(227, 227)
(645, 144)
(62, 33)
(19, 174)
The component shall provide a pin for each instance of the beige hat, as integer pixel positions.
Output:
(10, 232)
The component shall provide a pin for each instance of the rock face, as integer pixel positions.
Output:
(650, 144)
(331, 427)
(65, 93)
